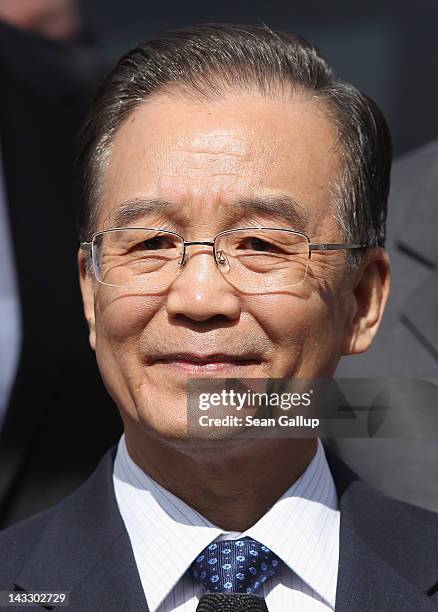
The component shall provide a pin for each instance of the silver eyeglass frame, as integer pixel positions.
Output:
(322, 246)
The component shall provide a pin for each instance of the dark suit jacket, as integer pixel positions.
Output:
(406, 345)
(58, 403)
(388, 550)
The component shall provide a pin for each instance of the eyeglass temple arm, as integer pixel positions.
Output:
(327, 246)
(85, 246)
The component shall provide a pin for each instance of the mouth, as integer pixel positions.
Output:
(216, 363)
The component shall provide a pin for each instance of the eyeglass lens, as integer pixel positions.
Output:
(251, 259)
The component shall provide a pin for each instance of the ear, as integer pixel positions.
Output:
(86, 280)
(371, 287)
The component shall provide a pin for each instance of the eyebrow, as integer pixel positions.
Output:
(135, 209)
(281, 207)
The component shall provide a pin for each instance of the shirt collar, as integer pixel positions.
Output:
(301, 528)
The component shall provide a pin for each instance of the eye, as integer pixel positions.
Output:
(252, 243)
(157, 243)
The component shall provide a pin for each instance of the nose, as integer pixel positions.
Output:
(200, 292)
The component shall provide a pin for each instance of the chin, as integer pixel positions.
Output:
(170, 427)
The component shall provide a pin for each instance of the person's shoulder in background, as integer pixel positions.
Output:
(48, 67)
(57, 393)
(414, 174)
(413, 203)
(406, 345)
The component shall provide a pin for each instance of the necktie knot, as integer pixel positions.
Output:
(234, 566)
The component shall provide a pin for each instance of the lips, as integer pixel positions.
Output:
(202, 363)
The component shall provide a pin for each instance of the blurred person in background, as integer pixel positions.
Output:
(45, 87)
(55, 19)
(407, 343)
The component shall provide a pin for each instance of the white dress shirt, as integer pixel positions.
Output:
(301, 528)
(10, 322)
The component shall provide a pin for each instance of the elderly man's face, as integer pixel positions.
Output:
(204, 158)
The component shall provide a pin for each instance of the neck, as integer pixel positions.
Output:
(232, 483)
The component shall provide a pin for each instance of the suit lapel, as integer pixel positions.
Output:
(375, 571)
(113, 583)
(95, 561)
(367, 582)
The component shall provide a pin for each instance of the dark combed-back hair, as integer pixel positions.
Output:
(209, 60)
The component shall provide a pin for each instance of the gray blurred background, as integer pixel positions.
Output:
(387, 49)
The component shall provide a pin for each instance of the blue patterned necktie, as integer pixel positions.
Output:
(234, 566)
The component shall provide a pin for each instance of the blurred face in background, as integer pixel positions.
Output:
(57, 19)
(203, 159)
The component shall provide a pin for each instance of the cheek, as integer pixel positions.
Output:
(120, 322)
(122, 318)
(302, 328)
(287, 318)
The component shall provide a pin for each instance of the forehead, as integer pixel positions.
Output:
(205, 158)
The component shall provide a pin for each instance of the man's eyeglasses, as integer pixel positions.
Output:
(252, 259)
